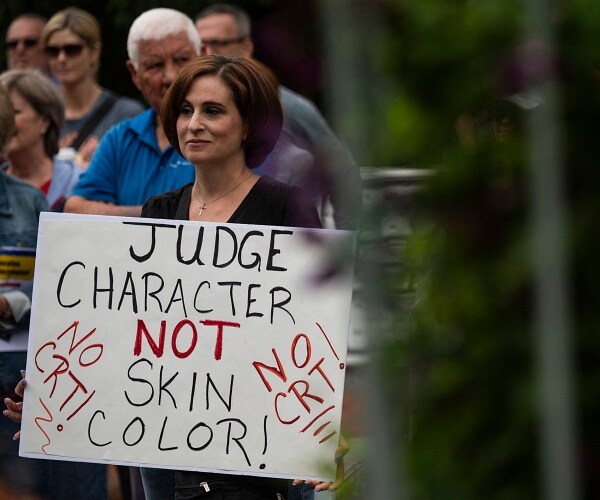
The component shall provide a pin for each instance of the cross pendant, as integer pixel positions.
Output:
(202, 208)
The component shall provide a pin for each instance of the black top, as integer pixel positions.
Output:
(269, 203)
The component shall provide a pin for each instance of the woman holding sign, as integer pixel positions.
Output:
(224, 116)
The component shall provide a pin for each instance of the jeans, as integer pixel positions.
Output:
(213, 486)
(49, 479)
(300, 492)
(159, 484)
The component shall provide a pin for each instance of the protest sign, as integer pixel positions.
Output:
(16, 266)
(186, 345)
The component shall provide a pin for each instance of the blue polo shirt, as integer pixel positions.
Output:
(128, 167)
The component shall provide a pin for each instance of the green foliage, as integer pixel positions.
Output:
(444, 57)
(464, 375)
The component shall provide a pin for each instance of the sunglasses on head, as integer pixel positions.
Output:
(70, 50)
(28, 43)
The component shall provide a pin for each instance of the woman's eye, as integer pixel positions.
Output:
(213, 111)
(186, 110)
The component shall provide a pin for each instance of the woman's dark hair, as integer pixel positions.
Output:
(254, 93)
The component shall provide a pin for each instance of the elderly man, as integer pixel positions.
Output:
(134, 160)
(23, 43)
(226, 29)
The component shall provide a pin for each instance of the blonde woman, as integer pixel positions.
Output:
(72, 43)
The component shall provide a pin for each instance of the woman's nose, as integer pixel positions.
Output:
(196, 122)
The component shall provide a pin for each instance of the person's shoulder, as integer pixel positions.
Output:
(277, 192)
(164, 205)
(12, 181)
(266, 183)
(287, 94)
(136, 123)
(302, 118)
(290, 155)
(292, 204)
(292, 100)
(24, 190)
(128, 104)
(66, 167)
(271, 193)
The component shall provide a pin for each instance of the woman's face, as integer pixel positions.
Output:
(70, 59)
(30, 127)
(209, 127)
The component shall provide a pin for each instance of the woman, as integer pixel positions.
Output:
(73, 46)
(223, 115)
(39, 113)
(36, 111)
(20, 207)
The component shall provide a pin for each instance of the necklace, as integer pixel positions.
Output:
(204, 204)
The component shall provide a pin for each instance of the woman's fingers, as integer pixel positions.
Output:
(13, 410)
(341, 450)
(20, 388)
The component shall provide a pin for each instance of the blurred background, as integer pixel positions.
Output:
(473, 358)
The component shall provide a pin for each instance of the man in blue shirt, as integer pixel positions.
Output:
(134, 159)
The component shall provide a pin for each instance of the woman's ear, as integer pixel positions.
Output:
(96, 50)
(44, 124)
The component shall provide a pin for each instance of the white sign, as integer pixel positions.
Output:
(183, 345)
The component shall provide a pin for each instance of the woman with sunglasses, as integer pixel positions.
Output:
(72, 42)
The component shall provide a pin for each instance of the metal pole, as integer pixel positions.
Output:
(350, 35)
(552, 314)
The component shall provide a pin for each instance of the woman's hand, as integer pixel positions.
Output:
(14, 410)
(5, 310)
(341, 450)
(86, 150)
(67, 140)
